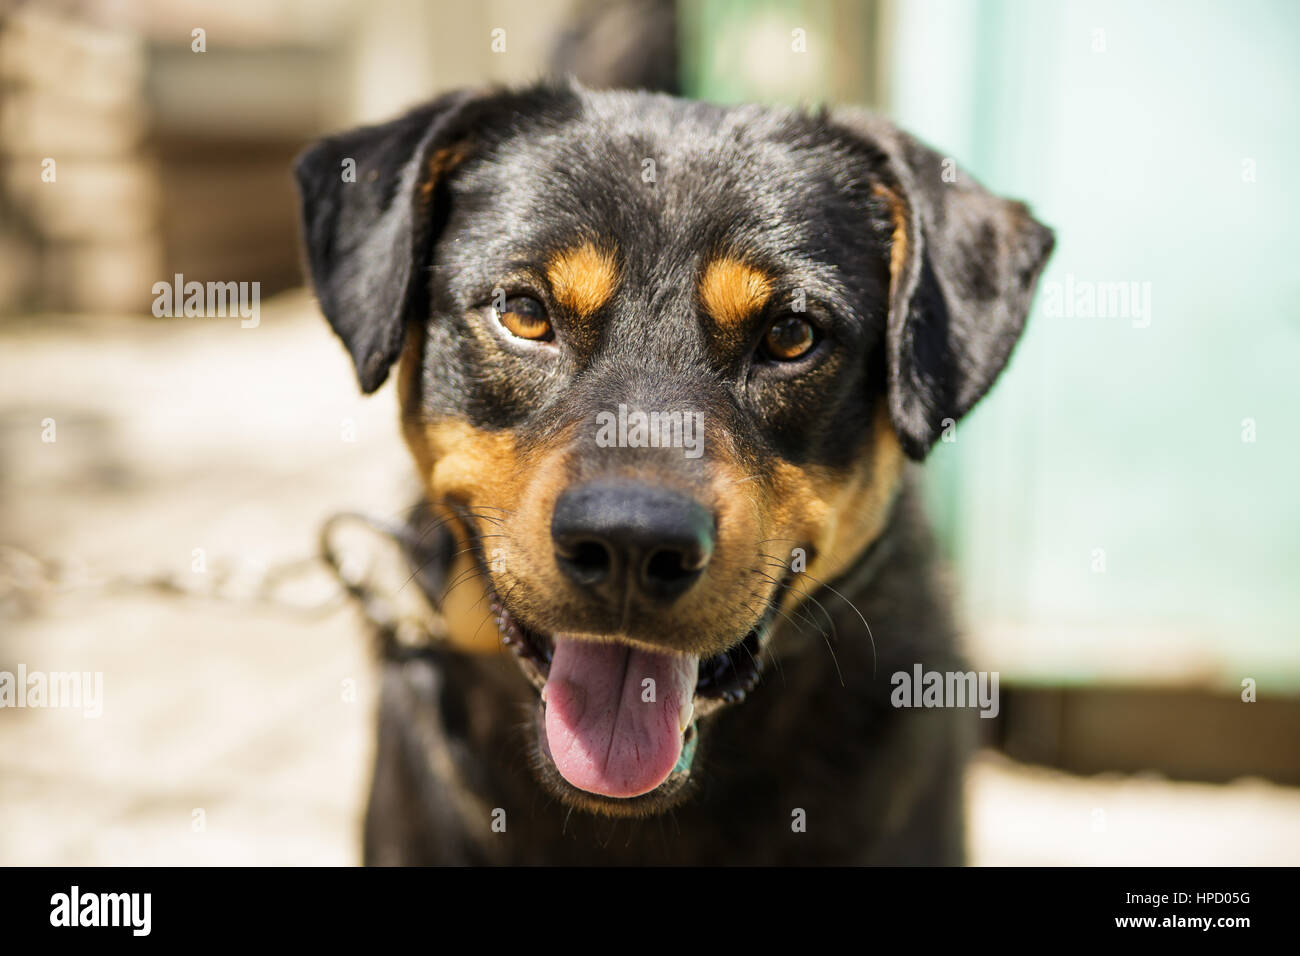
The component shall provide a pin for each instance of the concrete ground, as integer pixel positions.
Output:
(237, 733)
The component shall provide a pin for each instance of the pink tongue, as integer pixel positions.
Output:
(605, 733)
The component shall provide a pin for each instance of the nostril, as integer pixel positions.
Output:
(588, 561)
(670, 566)
(591, 556)
(670, 572)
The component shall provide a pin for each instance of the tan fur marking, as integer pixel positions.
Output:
(898, 242)
(408, 370)
(839, 514)
(471, 466)
(732, 292)
(583, 278)
(453, 459)
(439, 164)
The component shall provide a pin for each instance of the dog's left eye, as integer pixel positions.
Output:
(525, 317)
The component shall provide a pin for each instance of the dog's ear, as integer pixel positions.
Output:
(963, 266)
(368, 216)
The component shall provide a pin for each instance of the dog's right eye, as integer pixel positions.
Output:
(789, 339)
(525, 317)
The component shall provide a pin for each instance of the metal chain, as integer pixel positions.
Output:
(28, 582)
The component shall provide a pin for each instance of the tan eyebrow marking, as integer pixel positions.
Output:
(583, 278)
(732, 291)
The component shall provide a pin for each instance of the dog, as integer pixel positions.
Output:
(657, 649)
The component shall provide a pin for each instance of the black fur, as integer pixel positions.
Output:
(805, 197)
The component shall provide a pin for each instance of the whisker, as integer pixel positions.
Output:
(770, 653)
(425, 564)
(460, 579)
(834, 631)
(799, 608)
(855, 611)
(507, 511)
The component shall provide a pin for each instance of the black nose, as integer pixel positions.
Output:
(612, 536)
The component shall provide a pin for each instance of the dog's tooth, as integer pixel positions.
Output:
(686, 715)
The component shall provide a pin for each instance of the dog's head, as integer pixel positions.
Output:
(661, 364)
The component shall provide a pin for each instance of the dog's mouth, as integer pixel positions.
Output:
(617, 722)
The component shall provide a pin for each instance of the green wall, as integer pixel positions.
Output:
(1161, 150)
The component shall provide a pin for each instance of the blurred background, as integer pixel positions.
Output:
(1121, 513)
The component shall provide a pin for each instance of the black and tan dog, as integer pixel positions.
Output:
(703, 632)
